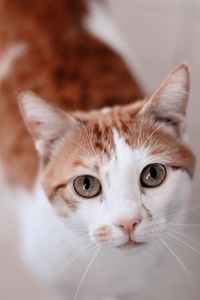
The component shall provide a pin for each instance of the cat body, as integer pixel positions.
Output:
(58, 254)
(111, 163)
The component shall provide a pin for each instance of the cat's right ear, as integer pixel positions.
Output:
(45, 122)
(168, 104)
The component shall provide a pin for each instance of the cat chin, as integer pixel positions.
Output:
(131, 248)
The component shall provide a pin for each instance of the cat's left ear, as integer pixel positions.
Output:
(169, 102)
(46, 123)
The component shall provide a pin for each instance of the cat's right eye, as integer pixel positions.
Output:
(153, 175)
(87, 186)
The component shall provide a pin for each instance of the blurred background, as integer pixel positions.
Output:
(159, 35)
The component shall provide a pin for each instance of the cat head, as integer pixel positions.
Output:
(118, 172)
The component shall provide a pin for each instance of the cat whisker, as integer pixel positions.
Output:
(77, 226)
(79, 231)
(81, 147)
(184, 224)
(78, 235)
(140, 129)
(89, 140)
(184, 268)
(157, 129)
(74, 242)
(175, 224)
(183, 211)
(183, 242)
(72, 259)
(85, 273)
(77, 110)
(185, 236)
(77, 240)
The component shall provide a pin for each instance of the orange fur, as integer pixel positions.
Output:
(63, 64)
(97, 130)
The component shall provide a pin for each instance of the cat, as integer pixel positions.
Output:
(97, 203)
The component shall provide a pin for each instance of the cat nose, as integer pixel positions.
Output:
(128, 226)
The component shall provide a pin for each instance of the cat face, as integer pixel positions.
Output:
(119, 172)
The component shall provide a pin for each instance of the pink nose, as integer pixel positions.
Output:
(128, 226)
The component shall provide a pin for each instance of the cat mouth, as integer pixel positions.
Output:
(130, 244)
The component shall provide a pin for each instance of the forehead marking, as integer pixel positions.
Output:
(124, 167)
(123, 151)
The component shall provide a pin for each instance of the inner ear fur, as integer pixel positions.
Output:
(168, 103)
(45, 122)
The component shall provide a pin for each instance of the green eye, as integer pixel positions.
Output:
(153, 175)
(87, 186)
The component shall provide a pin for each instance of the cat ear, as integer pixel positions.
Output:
(169, 102)
(45, 122)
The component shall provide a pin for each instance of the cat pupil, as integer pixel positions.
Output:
(86, 184)
(153, 172)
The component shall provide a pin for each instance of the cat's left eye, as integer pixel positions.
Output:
(87, 186)
(153, 175)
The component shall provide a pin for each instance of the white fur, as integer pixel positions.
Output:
(49, 241)
(9, 56)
